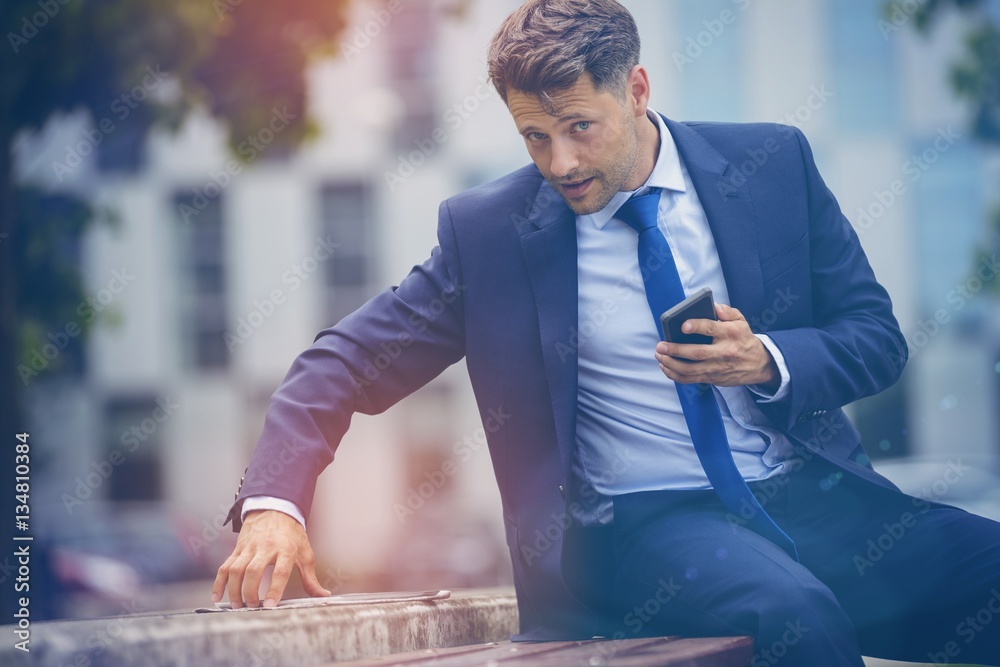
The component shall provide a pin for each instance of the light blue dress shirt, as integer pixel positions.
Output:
(631, 433)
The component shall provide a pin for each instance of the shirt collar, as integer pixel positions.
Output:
(666, 174)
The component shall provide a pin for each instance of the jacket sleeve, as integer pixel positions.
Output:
(394, 344)
(854, 348)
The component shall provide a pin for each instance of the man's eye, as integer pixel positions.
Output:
(583, 125)
(535, 136)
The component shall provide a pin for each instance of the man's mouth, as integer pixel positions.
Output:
(577, 189)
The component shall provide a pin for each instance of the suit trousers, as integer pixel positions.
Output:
(880, 573)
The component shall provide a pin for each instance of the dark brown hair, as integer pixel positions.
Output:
(546, 45)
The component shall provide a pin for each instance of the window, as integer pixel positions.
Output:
(865, 76)
(202, 281)
(948, 218)
(712, 83)
(133, 448)
(349, 274)
(412, 72)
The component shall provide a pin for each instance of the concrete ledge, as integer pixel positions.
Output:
(279, 638)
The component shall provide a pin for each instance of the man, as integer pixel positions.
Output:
(546, 281)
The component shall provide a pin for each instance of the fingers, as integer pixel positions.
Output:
(283, 570)
(681, 371)
(728, 361)
(235, 582)
(309, 580)
(221, 579)
(728, 313)
(230, 575)
(701, 326)
(267, 538)
(279, 579)
(252, 578)
(717, 328)
(683, 351)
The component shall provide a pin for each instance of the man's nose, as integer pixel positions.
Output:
(564, 159)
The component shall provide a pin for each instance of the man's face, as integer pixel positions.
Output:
(588, 149)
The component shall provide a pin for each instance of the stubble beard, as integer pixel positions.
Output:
(607, 184)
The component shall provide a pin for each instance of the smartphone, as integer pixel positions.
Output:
(698, 306)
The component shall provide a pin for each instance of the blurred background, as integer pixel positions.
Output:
(191, 190)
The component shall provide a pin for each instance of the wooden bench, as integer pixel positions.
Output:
(652, 652)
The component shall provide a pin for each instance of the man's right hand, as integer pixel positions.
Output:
(268, 537)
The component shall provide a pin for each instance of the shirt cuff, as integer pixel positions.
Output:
(254, 503)
(779, 359)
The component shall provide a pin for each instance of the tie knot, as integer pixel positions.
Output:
(640, 212)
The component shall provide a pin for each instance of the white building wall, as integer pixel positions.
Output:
(272, 223)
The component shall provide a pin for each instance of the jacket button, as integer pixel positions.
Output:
(562, 491)
(240, 487)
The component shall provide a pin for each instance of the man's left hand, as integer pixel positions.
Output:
(735, 357)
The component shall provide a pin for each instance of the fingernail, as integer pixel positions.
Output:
(270, 604)
(327, 593)
(216, 597)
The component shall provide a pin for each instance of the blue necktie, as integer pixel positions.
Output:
(701, 411)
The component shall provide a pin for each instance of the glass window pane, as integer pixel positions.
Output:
(203, 288)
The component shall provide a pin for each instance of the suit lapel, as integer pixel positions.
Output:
(550, 253)
(726, 200)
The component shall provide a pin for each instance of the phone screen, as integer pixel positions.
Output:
(698, 306)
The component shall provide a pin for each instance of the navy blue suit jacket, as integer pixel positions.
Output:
(501, 290)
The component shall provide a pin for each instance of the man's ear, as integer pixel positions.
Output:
(638, 90)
